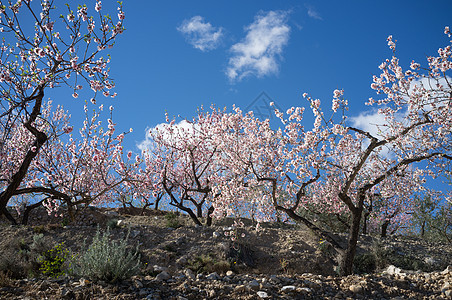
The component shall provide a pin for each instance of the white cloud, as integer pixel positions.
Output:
(201, 35)
(371, 122)
(312, 12)
(181, 129)
(257, 54)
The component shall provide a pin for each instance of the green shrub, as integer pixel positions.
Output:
(172, 221)
(106, 259)
(5, 278)
(23, 260)
(364, 263)
(53, 260)
(208, 264)
(112, 223)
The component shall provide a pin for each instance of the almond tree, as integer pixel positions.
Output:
(69, 170)
(182, 154)
(38, 59)
(339, 166)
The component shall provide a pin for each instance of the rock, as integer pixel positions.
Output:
(83, 281)
(67, 294)
(304, 290)
(229, 273)
(287, 289)
(311, 284)
(182, 261)
(430, 261)
(275, 279)
(448, 270)
(138, 284)
(253, 285)
(356, 288)
(190, 274)
(240, 288)
(446, 286)
(262, 294)
(213, 276)
(448, 293)
(158, 269)
(393, 270)
(163, 276)
(216, 235)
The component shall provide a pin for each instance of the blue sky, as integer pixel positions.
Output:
(178, 55)
(317, 46)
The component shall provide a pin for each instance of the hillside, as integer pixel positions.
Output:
(183, 261)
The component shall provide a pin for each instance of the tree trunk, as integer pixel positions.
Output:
(346, 264)
(366, 216)
(299, 219)
(423, 229)
(209, 216)
(384, 228)
(17, 178)
(199, 210)
(28, 210)
(5, 212)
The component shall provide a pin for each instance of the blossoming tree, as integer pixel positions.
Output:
(183, 156)
(68, 170)
(338, 166)
(33, 61)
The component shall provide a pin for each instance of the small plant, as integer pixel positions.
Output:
(65, 222)
(208, 264)
(364, 263)
(172, 221)
(106, 259)
(53, 260)
(112, 223)
(39, 229)
(5, 279)
(284, 264)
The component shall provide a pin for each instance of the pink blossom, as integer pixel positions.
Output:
(98, 6)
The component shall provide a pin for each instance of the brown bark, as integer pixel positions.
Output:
(40, 139)
(346, 263)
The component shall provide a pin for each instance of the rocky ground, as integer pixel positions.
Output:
(183, 261)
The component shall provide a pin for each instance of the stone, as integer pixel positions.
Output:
(158, 269)
(163, 276)
(447, 270)
(213, 276)
(393, 270)
(240, 288)
(446, 286)
(262, 294)
(216, 235)
(311, 284)
(430, 261)
(287, 289)
(229, 273)
(138, 284)
(182, 261)
(253, 285)
(190, 274)
(304, 290)
(356, 288)
(83, 281)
